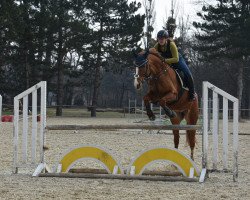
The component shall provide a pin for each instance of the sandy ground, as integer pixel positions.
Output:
(124, 144)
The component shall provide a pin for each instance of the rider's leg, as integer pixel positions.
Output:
(188, 77)
(190, 82)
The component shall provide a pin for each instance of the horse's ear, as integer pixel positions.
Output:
(134, 53)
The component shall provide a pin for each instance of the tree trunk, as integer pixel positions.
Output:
(59, 76)
(97, 80)
(47, 61)
(41, 36)
(248, 107)
(26, 44)
(122, 95)
(248, 91)
(27, 70)
(240, 86)
(96, 87)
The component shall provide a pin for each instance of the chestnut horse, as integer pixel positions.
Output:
(165, 88)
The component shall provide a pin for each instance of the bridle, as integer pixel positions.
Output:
(147, 74)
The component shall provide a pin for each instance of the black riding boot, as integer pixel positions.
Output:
(191, 94)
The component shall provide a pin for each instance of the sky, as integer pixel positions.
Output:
(183, 8)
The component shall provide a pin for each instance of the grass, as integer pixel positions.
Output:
(7, 113)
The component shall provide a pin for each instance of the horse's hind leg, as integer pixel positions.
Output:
(175, 121)
(192, 118)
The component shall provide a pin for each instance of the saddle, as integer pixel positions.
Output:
(180, 77)
(183, 84)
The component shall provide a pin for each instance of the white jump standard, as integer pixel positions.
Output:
(225, 134)
(36, 144)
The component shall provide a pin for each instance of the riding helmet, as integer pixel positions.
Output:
(162, 34)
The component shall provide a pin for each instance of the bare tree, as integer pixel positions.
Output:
(171, 20)
(149, 6)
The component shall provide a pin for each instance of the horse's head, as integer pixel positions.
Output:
(140, 68)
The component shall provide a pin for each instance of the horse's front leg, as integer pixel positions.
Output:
(170, 97)
(147, 100)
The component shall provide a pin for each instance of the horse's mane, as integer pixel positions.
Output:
(154, 52)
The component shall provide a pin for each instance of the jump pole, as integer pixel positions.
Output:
(116, 127)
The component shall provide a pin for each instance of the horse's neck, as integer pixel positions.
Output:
(158, 69)
(155, 53)
(156, 66)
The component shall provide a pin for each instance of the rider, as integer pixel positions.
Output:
(167, 48)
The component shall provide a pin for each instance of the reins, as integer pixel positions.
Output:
(148, 75)
(164, 68)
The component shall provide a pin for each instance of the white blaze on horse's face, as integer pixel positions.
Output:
(137, 83)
